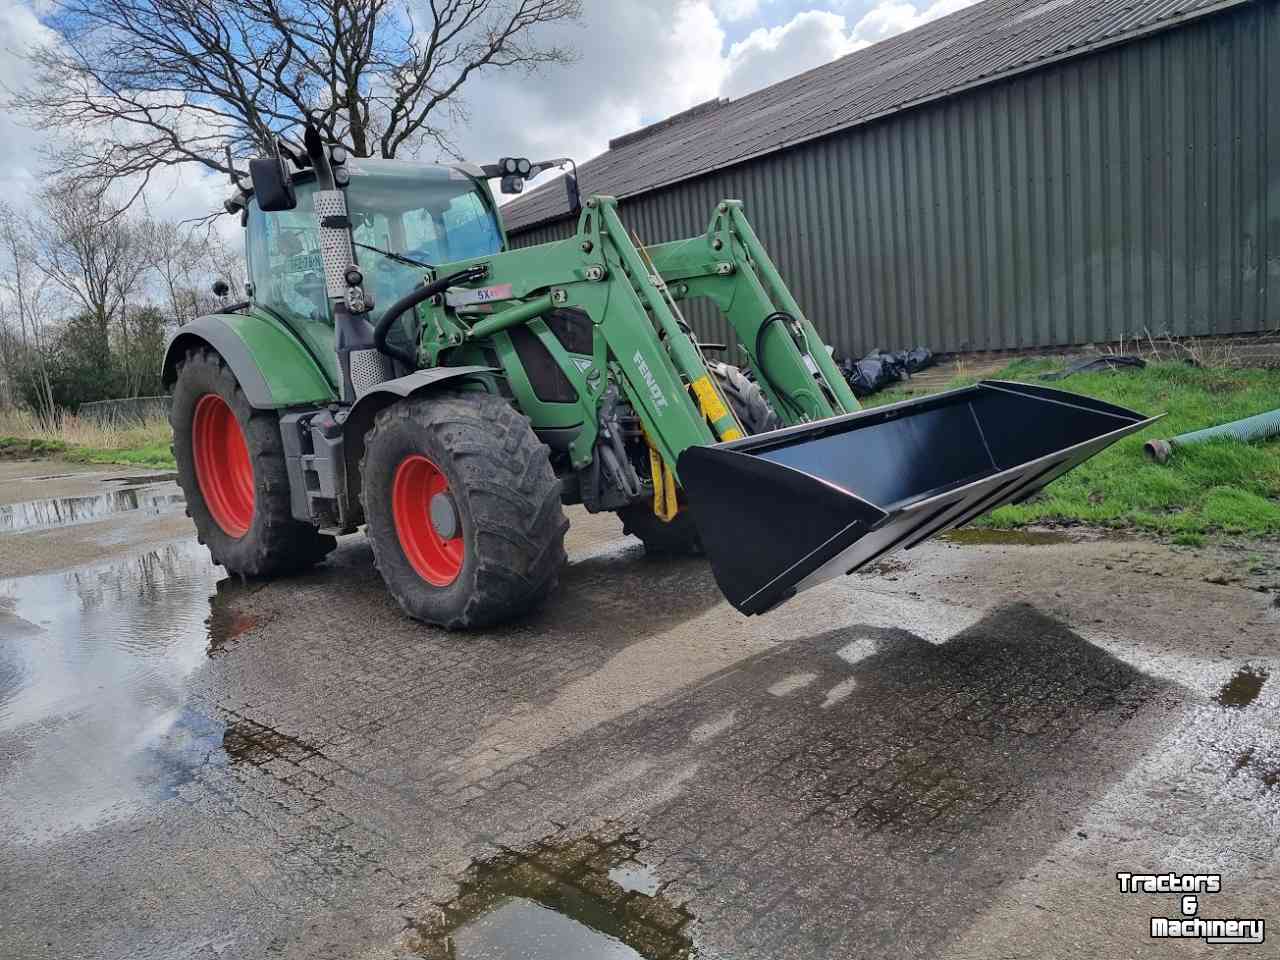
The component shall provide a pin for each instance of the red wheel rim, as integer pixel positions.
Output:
(434, 558)
(223, 468)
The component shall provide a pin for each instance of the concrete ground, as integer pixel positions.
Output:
(950, 756)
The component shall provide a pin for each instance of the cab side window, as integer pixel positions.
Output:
(285, 264)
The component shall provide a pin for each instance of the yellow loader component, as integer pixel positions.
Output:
(665, 503)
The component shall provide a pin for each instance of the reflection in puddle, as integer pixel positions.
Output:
(144, 481)
(635, 878)
(226, 623)
(93, 665)
(153, 499)
(1242, 689)
(581, 899)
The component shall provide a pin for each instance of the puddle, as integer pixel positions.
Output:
(981, 536)
(583, 899)
(1242, 689)
(64, 511)
(93, 670)
(143, 481)
(247, 742)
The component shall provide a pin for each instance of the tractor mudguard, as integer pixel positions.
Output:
(273, 367)
(784, 511)
(388, 392)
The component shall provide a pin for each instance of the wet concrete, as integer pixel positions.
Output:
(950, 755)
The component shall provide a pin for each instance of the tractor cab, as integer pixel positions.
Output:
(405, 218)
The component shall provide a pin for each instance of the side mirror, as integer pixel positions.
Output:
(221, 289)
(512, 184)
(571, 192)
(271, 185)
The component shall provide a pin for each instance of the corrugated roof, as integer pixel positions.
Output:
(976, 45)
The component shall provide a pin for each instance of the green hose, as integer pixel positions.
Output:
(1258, 427)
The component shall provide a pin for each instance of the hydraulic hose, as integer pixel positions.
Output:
(1258, 427)
(773, 318)
(410, 300)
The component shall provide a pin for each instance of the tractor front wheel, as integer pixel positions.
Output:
(231, 468)
(462, 509)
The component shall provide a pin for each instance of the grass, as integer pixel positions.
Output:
(1220, 487)
(73, 438)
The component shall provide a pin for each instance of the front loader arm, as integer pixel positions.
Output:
(631, 294)
(730, 266)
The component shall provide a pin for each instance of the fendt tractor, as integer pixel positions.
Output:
(397, 364)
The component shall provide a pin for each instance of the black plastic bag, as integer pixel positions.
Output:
(880, 368)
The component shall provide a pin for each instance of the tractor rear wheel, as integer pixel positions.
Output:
(680, 535)
(463, 509)
(746, 398)
(231, 468)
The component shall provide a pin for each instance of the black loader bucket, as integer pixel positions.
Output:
(781, 512)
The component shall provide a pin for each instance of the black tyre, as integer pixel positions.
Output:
(746, 398)
(231, 467)
(462, 509)
(680, 536)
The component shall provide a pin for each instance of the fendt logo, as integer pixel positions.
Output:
(655, 391)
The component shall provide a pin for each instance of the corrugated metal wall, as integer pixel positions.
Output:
(1123, 192)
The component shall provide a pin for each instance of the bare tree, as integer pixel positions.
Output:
(27, 292)
(176, 255)
(166, 82)
(83, 246)
(185, 259)
(10, 352)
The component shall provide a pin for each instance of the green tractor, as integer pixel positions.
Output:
(398, 365)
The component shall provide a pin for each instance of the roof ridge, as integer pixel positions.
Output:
(697, 110)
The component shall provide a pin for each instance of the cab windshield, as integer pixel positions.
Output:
(429, 214)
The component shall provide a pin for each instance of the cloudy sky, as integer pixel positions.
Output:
(639, 61)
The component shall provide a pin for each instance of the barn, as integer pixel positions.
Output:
(1019, 174)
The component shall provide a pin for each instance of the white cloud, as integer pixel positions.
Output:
(770, 54)
(19, 158)
(814, 37)
(638, 62)
(892, 17)
(732, 11)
